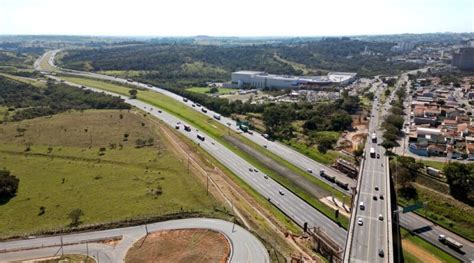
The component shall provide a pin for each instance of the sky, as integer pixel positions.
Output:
(234, 17)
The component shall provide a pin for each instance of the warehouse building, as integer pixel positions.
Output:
(260, 80)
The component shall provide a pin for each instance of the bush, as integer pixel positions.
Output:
(8, 186)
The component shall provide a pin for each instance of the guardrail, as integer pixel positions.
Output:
(350, 232)
(388, 225)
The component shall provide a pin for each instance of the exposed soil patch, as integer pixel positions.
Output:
(419, 253)
(184, 245)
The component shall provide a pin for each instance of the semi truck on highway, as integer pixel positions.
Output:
(450, 242)
(372, 152)
(374, 137)
(187, 128)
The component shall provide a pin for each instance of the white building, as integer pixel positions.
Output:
(259, 79)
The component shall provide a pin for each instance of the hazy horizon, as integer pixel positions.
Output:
(246, 18)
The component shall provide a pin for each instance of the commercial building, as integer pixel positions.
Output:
(260, 80)
(464, 58)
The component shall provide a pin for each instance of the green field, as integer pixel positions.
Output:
(205, 90)
(31, 81)
(61, 167)
(217, 131)
(434, 164)
(422, 244)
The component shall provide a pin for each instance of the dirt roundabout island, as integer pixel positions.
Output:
(183, 245)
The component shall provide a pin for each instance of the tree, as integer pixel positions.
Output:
(213, 90)
(460, 178)
(8, 185)
(133, 93)
(75, 216)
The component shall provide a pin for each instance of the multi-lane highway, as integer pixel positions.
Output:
(370, 229)
(294, 157)
(408, 220)
(290, 204)
(244, 246)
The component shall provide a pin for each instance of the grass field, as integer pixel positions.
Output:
(217, 131)
(65, 168)
(426, 248)
(434, 164)
(45, 65)
(205, 90)
(31, 81)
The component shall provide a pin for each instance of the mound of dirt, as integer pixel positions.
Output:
(186, 245)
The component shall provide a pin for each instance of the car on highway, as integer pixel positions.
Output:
(381, 254)
(309, 171)
(360, 222)
(160, 111)
(362, 206)
(374, 197)
(376, 188)
(250, 169)
(381, 197)
(176, 126)
(380, 217)
(255, 170)
(265, 176)
(378, 155)
(281, 192)
(194, 105)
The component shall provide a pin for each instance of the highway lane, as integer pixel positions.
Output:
(372, 234)
(283, 151)
(245, 247)
(290, 204)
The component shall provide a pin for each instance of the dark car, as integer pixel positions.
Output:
(375, 197)
(381, 254)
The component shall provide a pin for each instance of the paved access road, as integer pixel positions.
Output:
(245, 247)
(283, 151)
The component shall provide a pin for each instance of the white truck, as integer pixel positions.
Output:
(372, 152)
(450, 242)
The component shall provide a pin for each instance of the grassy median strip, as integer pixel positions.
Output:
(421, 244)
(215, 130)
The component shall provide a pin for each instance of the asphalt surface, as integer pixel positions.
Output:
(283, 151)
(372, 235)
(244, 246)
(293, 206)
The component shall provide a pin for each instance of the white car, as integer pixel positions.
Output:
(360, 222)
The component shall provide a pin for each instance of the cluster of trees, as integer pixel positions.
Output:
(460, 178)
(8, 186)
(393, 123)
(32, 102)
(405, 170)
(328, 116)
(185, 64)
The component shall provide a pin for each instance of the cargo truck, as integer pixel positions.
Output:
(374, 137)
(450, 242)
(372, 152)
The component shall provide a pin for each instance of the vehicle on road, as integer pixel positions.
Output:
(255, 170)
(217, 116)
(187, 128)
(176, 126)
(381, 197)
(360, 222)
(380, 217)
(149, 85)
(250, 169)
(265, 176)
(374, 197)
(185, 100)
(378, 156)
(361, 206)
(204, 110)
(201, 137)
(450, 242)
(374, 137)
(322, 172)
(372, 152)
(309, 171)
(381, 254)
(194, 105)
(197, 104)
(281, 192)
(160, 111)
